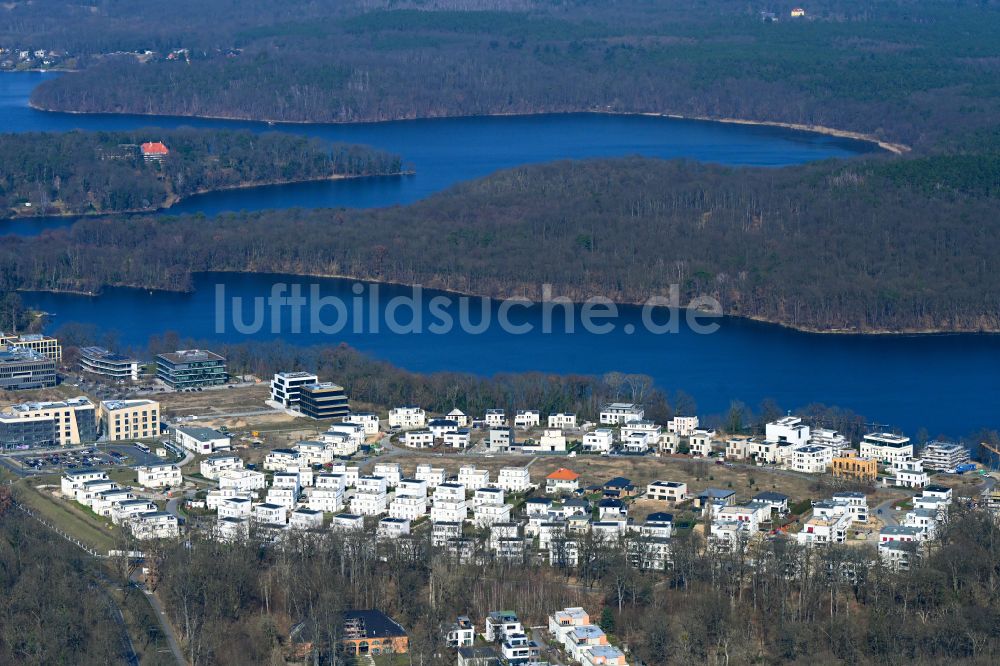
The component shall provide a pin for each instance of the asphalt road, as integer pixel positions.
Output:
(161, 616)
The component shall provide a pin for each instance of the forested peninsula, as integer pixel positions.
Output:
(902, 71)
(868, 245)
(88, 173)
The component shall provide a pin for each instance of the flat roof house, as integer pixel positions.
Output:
(191, 368)
(201, 440)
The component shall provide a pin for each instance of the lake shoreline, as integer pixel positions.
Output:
(941, 332)
(173, 199)
(894, 148)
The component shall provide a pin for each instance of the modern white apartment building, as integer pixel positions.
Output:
(495, 418)
(405, 418)
(418, 439)
(286, 387)
(944, 456)
(162, 475)
(472, 477)
(243, 480)
(391, 472)
(514, 479)
(562, 420)
(408, 507)
(599, 441)
(104, 363)
(210, 468)
(458, 439)
(618, 413)
(432, 476)
(527, 418)
(812, 459)
(154, 525)
(326, 499)
(789, 429)
(683, 425)
(666, 491)
(368, 420)
(886, 447)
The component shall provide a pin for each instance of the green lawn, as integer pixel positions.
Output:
(71, 518)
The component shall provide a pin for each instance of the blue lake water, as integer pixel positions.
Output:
(444, 151)
(947, 384)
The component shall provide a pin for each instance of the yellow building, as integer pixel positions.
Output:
(42, 344)
(849, 464)
(130, 419)
(798, 12)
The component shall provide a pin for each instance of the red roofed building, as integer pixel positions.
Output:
(154, 150)
(562, 480)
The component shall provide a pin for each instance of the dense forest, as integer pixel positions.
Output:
(903, 70)
(769, 603)
(869, 245)
(53, 609)
(77, 173)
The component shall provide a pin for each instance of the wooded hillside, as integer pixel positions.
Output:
(906, 71)
(78, 173)
(866, 245)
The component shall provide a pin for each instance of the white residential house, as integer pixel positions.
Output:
(617, 413)
(285, 497)
(638, 442)
(75, 478)
(449, 503)
(215, 498)
(388, 471)
(270, 514)
(125, 510)
(812, 459)
(700, 442)
(235, 507)
(441, 426)
(290, 480)
(162, 475)
(857, 504)
(551, 441)
(461, 418)
(305, 519)
(831, 438)
(408, 507)
(392, 528)
(461, 634)
(789, 429)
(279, 460)
(89, 490)
(346, 522)
(828, 524)
(886, 447)
(415, 487)
(514, 479)
(669, 442)
(495, 418)
(229, 530)
(326, 499)
(527, 418)
(418, 439)
(538, 507)
(103, 503)
(433, 476)
(900, 533)
(666, 491)
(562, 420)
(599, 441)
(201, 440)
(338, 444)
(487, 515)
(210, 468)
(369, 504)
(405, 418)
(243, 480)
(154, 525)
(908, 473)
(501, 439)
(349, 472)
(367, 420)
(472, 477)
(562, 481)
(458, 439)
(485, 495)
(683, 426)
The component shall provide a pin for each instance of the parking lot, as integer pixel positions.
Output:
(104, 455)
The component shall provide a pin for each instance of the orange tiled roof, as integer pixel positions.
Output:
(563, 474)
(154, 148)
